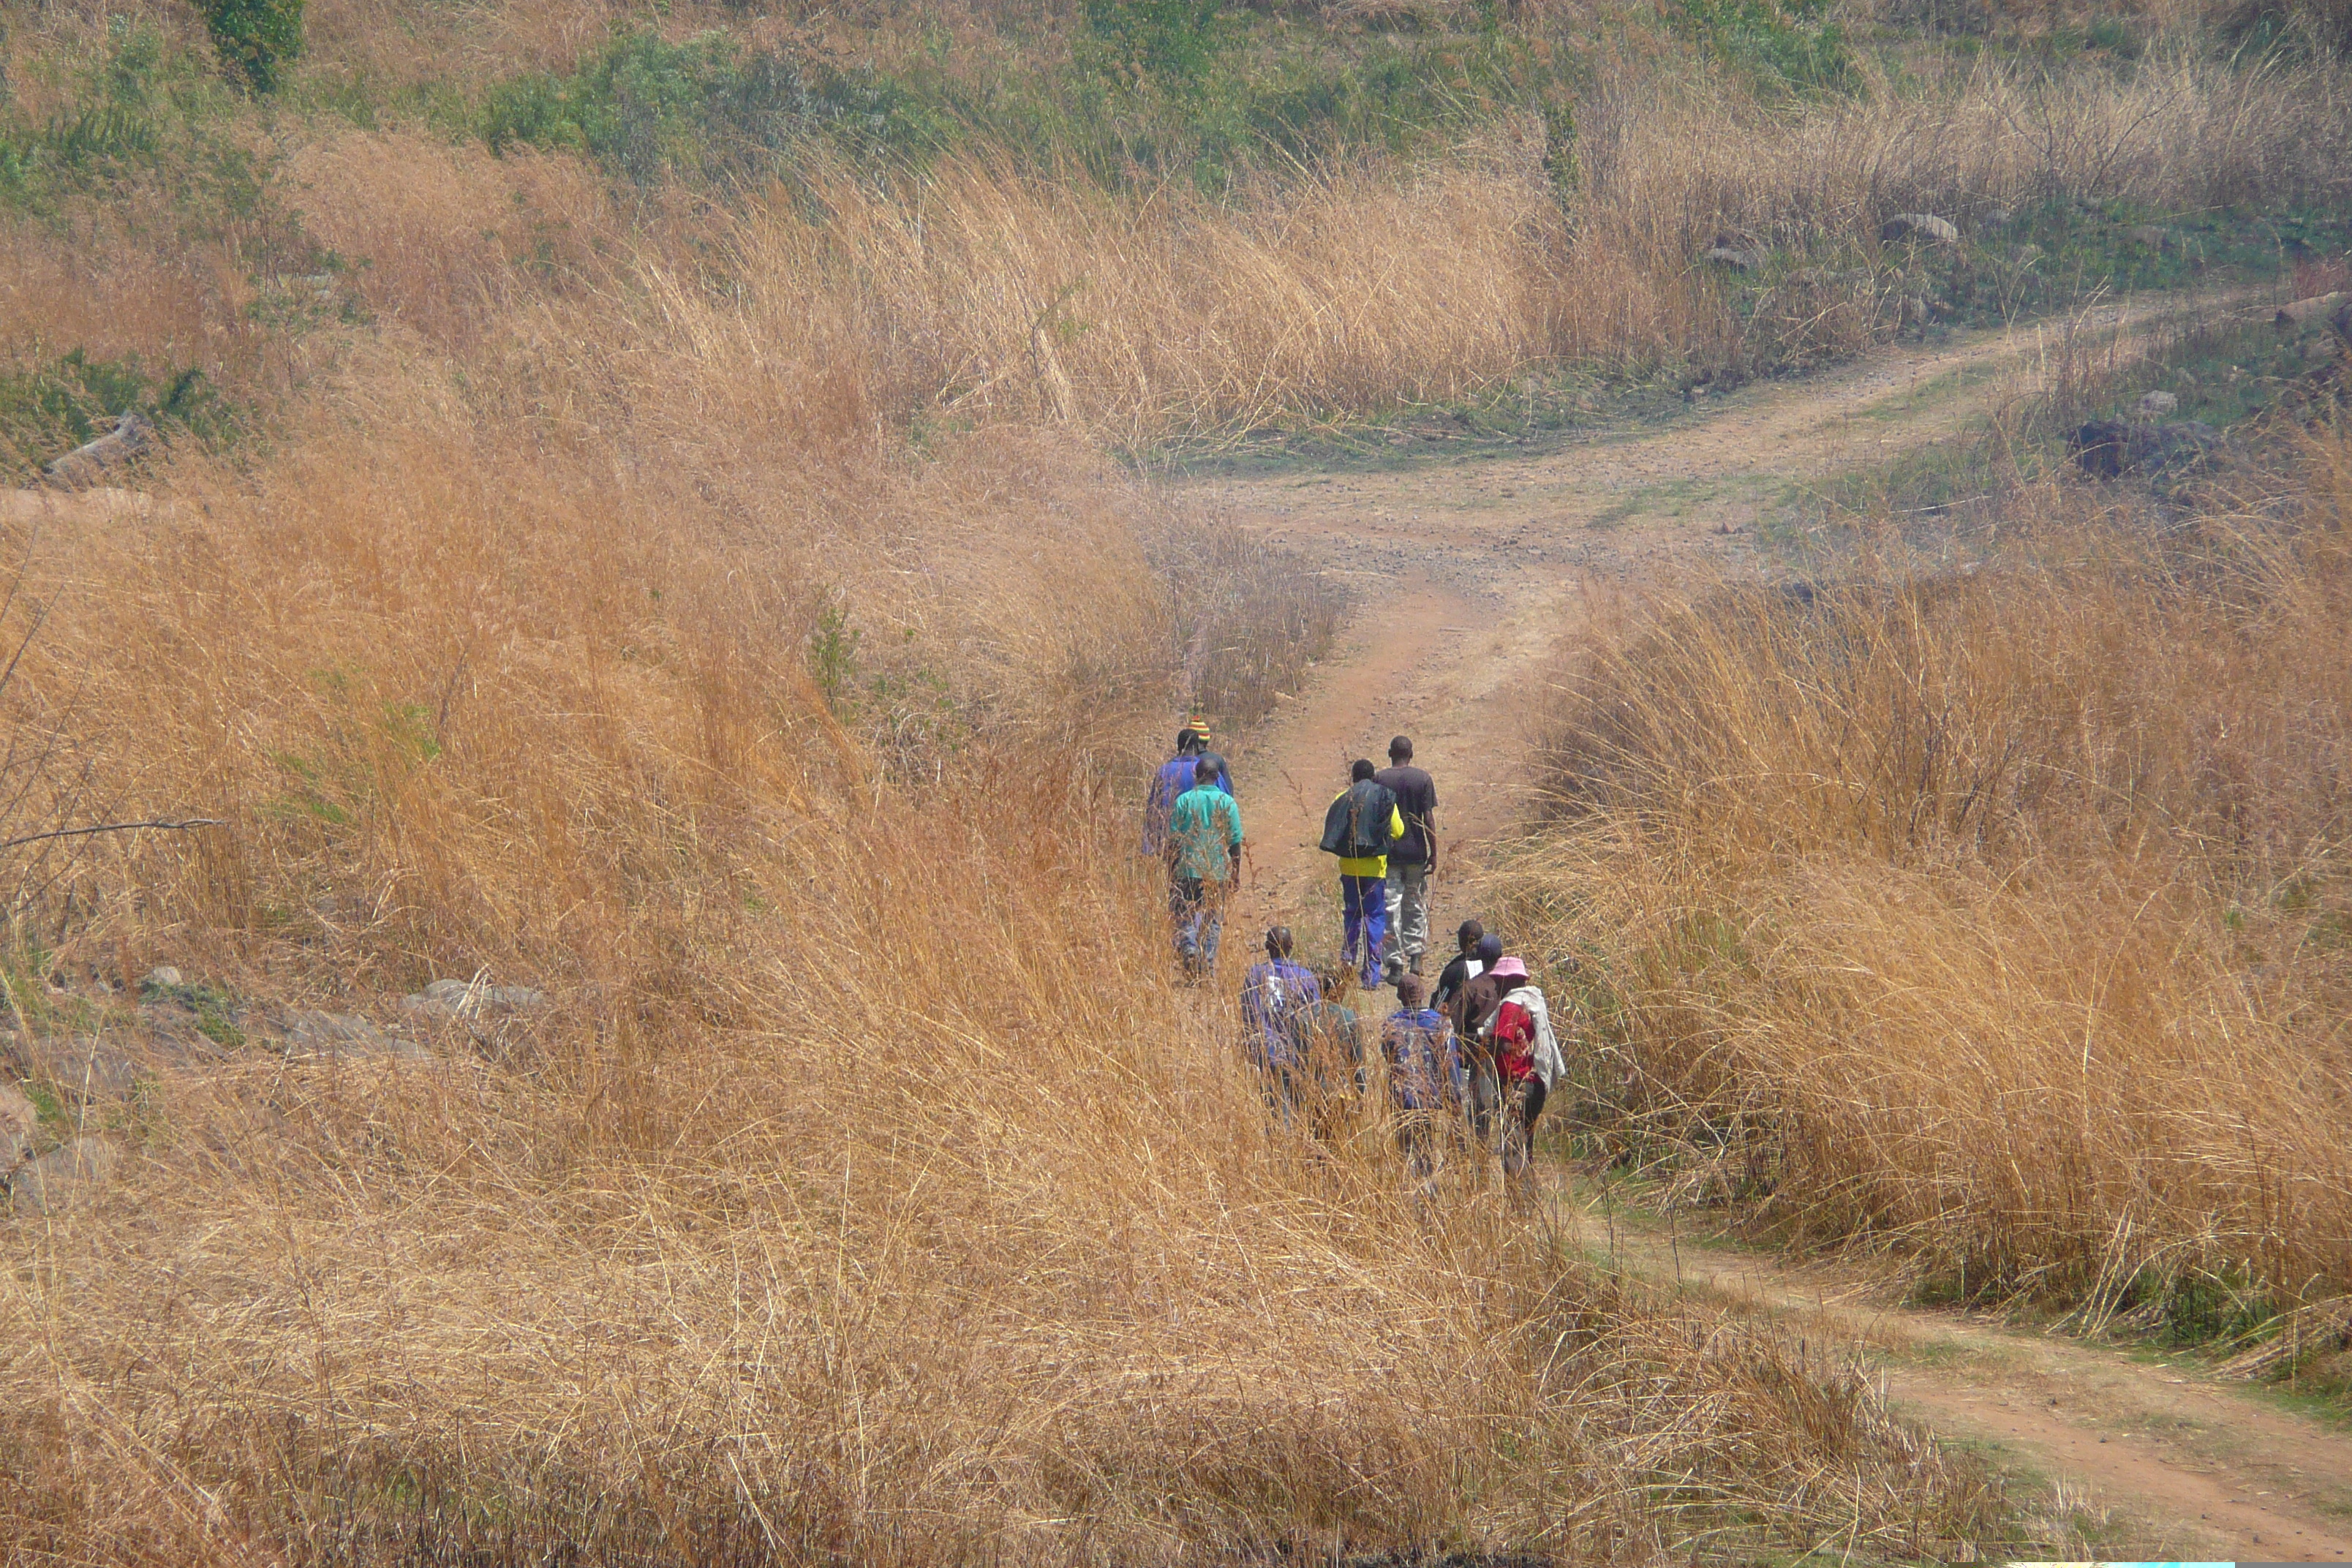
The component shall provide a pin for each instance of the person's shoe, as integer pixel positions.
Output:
(1416, 964)
(1391, 970)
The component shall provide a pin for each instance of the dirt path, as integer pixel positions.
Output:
(1469, 569)
(2188, 1462)
(1468, 572)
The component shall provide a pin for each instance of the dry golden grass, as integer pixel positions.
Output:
(1996, 916)
(970, 294)
(868, 1190)
(1668, 166)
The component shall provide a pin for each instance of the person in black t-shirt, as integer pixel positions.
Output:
(1411, 862)
(1464, 967)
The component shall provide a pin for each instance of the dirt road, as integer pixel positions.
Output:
(1468, 572)
(2179, 1462)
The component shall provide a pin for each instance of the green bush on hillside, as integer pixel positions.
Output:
(255, 37)
(1175, 43)
(1791, 47)
(702, 106)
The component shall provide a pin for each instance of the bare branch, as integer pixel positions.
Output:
(114, 827)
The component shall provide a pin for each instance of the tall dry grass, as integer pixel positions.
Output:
(867, 1190)
(586, 616)
(974, 293)
(1994, 916)
(1670, 165)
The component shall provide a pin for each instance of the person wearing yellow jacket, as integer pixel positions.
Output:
(1361, 827)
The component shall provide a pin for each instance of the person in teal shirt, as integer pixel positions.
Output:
(1205, 825)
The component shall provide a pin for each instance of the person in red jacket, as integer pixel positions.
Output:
(1514, 1034)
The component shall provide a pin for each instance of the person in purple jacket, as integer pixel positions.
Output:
(1280, 997)
(1174, 777)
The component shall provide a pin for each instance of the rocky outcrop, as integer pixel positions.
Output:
(450, 1001)
(83, 1069)
(65, 1177)
(2318, 308)
(87, 463)
(1920, 228)
(2110, 449)
(346, 1036)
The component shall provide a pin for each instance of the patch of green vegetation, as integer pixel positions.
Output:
(2316, 1385)
(215, 1008)
(2228, 374)
(1147, 89)
(49, 1110)
(832, 656)
(1784, 47)
(214, 1024)
(1545, 407)
(256, 39)
(136, 104)
(2228, 371)
(307, 796)
(411, 728)
(706, 106)
(51, 407)
(2198, 1307)
(2055, 254)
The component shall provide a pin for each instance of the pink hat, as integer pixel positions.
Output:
(1510, 969)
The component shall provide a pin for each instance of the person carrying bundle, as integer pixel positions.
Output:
(1527, 1060)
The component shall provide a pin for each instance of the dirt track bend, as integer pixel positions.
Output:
(1468, 572)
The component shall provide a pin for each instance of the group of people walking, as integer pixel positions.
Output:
(1472, 1059)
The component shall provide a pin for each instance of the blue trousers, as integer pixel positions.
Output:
(1365, 901)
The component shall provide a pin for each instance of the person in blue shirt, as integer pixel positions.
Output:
(1424, 1061)
(1204, 834)
(1174, 777)
(1279, 998)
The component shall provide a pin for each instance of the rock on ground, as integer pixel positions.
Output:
(130, 435)
(64, 1177)
(20, 1128)
(345, 1036)
(2297, 312)
(2110, 449)
(1921, 226)
(446, 1000)
(83, 1065)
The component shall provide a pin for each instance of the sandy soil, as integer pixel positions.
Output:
(1470, 573)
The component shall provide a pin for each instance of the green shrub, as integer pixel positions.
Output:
(254, 38)
(1172, 43)
(1791, 47)
(703, 106)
